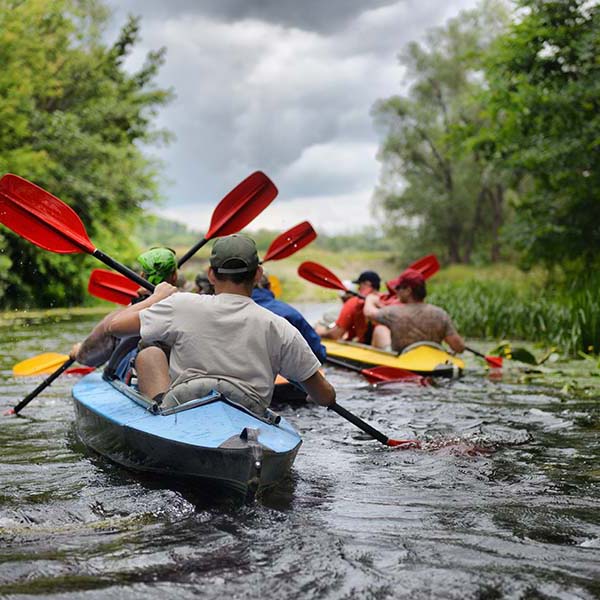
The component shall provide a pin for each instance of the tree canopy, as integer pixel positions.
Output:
(72, 120)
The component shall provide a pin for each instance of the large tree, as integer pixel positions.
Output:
(72, 120)
(544, 99)
(437, 192)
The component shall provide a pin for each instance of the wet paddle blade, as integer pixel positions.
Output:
(41, 218)
(318, 274)
(291, 241)
(112, 286)
(40, 364)
(79, 370)
(243, 204)
(404, 444)
(494, 362)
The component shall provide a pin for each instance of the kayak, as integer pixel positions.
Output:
(209, 439)
(425, 358)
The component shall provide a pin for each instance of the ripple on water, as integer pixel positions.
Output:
(502, 501)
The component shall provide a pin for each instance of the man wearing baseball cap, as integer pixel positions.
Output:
(412, 320)
(224, 342)
(351, 322)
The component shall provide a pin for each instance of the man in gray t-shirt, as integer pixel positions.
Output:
(225, 342)
(413, 321)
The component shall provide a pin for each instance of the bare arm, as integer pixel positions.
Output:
(455, 342)
(319, 389)
(127, 321)
(372, 306)
(333, 333)
(97, 347)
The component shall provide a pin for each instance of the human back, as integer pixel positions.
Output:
(229, 338)
(416, 322)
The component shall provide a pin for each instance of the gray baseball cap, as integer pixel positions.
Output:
(234, 254)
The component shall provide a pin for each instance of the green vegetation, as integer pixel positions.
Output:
(71, 120)
(494, 151)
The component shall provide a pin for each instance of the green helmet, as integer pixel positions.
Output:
(158, 264)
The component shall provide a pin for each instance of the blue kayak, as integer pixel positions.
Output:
(210, 439)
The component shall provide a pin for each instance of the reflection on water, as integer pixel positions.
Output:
(501, 502)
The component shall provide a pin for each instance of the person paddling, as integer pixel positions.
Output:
(351, 323)
(158, 265)
(412, 320)
(263, 296)
(224, 342)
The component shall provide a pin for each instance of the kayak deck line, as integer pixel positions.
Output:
(209, 439)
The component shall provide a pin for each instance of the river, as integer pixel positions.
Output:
(502, 502)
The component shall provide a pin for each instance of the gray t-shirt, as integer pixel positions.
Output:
(231, 338)
(415, 322)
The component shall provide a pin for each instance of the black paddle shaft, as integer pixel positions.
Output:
(43, 385)
(340, 410)
(191, 252)
(117, 266)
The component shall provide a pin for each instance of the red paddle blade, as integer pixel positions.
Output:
(495, 362)
(385, 374)
(112, 286)
(41, 218)
(243, 204)
(428, 266)
(318, 274)
(291, 241)
(404, 444)
(79, 370)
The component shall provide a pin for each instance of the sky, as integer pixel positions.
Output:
(282, 86)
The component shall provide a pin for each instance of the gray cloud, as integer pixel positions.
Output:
(286, 87)
(315, 15)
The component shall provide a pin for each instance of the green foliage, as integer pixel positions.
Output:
(544, 91)
(501, 309)
(71, 120)
(437, 193)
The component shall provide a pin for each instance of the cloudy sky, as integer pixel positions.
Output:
(282, 86)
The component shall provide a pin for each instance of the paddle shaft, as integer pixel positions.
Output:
(340, 410)
(117, 266)
(42, 386)
(475, 352)
(191, 252)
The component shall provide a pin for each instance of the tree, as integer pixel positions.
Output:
(71, 120)
(544, 99)
(436, 192)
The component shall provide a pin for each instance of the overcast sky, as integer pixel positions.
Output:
(282, 86)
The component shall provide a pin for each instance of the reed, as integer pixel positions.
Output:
(568, 319)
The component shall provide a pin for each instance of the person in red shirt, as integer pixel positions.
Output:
(351, 323)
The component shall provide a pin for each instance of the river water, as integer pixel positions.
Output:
(501, 503)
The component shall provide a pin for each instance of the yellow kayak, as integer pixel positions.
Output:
(424, 358)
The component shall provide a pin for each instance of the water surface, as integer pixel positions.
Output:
(501, 503)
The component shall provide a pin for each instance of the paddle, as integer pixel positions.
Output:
(318, 274)
(111, 286)
(346, 414)
(40, 388)
(49, 223)
(380, 374)
(116, 288)
(290, 241)
(427, 266)
(245, 202)
(44, 364)
(494, 362)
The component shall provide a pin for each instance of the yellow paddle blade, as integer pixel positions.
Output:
(275, 285)
(41, 364)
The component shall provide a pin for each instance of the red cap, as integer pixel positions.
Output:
(410, 278)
